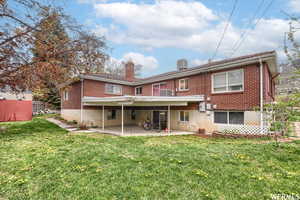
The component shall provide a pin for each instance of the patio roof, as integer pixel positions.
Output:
(142, 100)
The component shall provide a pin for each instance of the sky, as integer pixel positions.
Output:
(156, 33)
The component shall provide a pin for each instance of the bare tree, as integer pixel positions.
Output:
(28, 23)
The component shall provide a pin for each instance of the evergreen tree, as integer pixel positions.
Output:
(50, 51)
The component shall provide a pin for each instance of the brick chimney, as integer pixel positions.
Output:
(129, 71)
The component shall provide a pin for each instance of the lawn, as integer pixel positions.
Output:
(38, 160)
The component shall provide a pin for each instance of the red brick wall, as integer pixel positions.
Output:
(97, 89)
(198, 85)
(201, 85)
(90, 88)
(246, 100)
(268, 85)
(74, 97)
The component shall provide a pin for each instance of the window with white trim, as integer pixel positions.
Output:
(228, 117)
(113, 89)
(138, 90)
(184, 116)
(183, 84)
(230, 81)
(66, 95)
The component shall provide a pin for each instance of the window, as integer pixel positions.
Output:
(220, 117)
(111, 114)
(160, 89)
(183, 84)
(229, 117)
(66, 95)
(113, 89)
(230, 81)
(138, 90)
(184, 116)
(236, 118)
(133, 115)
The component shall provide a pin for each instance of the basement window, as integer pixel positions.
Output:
(111, 114)
(184, 116)
(228, 117)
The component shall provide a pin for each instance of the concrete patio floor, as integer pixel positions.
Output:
(138, 131)
(117, 130)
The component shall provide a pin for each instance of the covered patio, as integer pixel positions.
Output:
(155, 105)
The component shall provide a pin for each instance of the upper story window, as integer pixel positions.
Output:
(66, 95)
(183, 84)
(138, 90)
(230, 81)
(113, 89)
(159, 89)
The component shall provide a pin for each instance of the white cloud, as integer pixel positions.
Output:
(197, 62)
(184, 24)
(149, 63)
(91, 1)
(295, 5)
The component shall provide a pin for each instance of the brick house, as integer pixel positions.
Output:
(214, 96)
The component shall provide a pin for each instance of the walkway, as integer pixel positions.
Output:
(63, 125)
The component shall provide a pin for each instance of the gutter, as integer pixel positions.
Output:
(195, 98)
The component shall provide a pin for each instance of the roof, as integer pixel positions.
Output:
(142, 100)
(212, 64)
(268, 56)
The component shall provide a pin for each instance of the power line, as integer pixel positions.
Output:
(257, 22)
(225, 29)
(249, 23)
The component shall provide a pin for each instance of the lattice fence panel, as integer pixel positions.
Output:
(37, 107)
(244, 129)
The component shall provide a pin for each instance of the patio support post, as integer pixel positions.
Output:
(169, 119)
(122, 119)
(103, 117)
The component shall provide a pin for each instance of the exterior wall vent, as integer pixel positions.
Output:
(182, 64)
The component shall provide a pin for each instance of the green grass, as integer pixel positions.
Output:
(38, 160)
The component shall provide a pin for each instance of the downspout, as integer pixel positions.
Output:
(81, 104)
(174, 85)
(261, 96)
